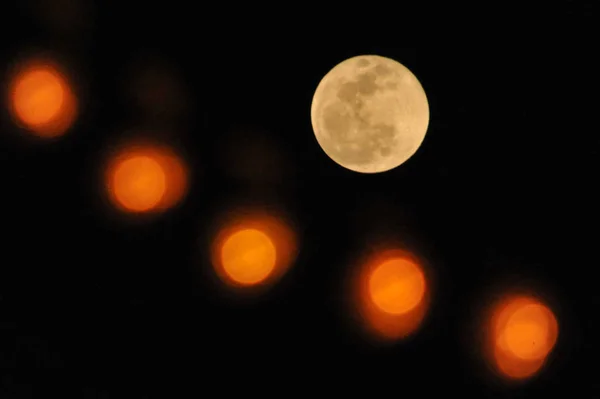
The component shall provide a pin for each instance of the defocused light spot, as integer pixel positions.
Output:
(391, 294)
(146, 178)
(42, 100)
(139, 183)
(523, 332)
(397, 286)
(248, 256)
(527, 332)
(38, 96)
(252, 249)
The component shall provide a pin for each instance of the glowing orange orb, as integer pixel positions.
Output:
(139, 183)
(38, 96)
(248, 256)
(397, 286)
(524, 332)
(146, 178)
(252, 249)
(42, 100)
(391, 294)
(527, 332)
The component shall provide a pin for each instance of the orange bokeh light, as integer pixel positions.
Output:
(522, 333)
(248, 256)
(146, 178)
(42, 100)
(392, 294)
(397, 286)
(253, 250)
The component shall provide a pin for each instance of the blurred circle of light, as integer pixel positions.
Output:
(397, 286)
(42, 100)
(248, 256)
(139, 183)
(522, 332)
(252, 249)
(143, 177)
(392, 295)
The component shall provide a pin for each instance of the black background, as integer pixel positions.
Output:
(502, 192)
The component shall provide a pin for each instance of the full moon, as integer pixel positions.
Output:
(370, 114)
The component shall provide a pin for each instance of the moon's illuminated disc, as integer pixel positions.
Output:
(370, 114)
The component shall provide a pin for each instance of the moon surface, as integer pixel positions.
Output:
(370, 114)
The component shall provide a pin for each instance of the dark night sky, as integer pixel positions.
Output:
(502, 190)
